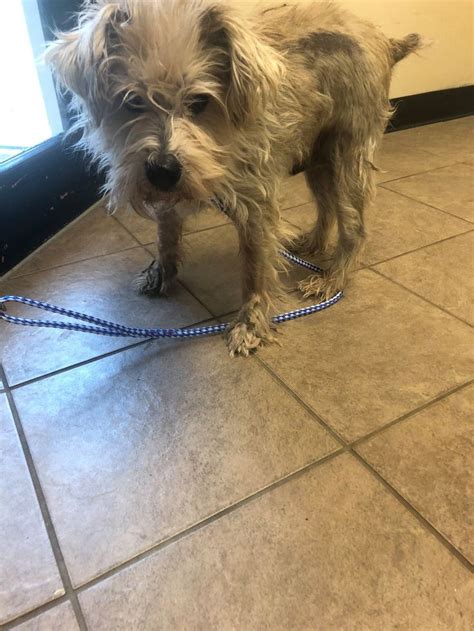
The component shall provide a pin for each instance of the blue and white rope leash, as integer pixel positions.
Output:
(104, 327)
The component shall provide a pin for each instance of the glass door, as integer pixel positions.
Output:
(30, 114)
(43, 181)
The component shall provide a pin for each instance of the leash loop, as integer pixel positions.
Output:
(112, 329)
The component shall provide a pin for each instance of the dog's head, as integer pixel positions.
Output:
(162, 89)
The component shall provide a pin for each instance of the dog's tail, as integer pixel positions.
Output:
(400, 48)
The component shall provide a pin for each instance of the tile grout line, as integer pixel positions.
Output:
(422, 247)
(301, 402)
(91, 360)
(228, 223)
(405, 417)
(412, 199)
(353, 443)
(199, 230)
(185, 234)
(33, 613)
(63, 265)
(227, 313)
(423, 172)
(178, 280)
(414, 511)
(407, 143)
(41, 499)
(59, 371)
(414, 293)
(129, 232)
(191, 293)
(43, 245)
(365, 266)
(310, 201)
(209, 520)
(348, 447)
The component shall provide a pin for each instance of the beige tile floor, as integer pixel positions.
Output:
(326, 483)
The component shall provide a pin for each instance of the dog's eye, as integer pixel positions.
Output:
(198, 104)
(134, 103)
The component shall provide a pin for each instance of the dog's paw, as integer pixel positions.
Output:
(323, 286)
(242, 339)
(249, 331)
(150, 281)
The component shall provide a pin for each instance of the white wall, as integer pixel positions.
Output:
(448, 62)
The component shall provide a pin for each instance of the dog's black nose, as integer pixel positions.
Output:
(163, 172)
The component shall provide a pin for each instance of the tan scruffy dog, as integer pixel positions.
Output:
(192, 100)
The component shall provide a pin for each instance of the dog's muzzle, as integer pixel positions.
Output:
(163, 172)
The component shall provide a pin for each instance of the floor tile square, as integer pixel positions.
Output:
(442, 273)
(93, 234)
(144, 230)
(60, 618)
(450, 189)
(101, 287)
(209, 217)
(396, 224)
(28, 573)
(211, 269)
(303, 217)
(451, 140)
(428, 459)
(329, 550)
(294, 192)
(374, 356)
(396, 159)
(138, 446)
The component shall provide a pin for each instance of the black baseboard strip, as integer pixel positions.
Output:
(45, 188)
(41, 191)
(432, 107)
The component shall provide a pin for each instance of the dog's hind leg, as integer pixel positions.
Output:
(157, 278)
(349, 190)
(260, 240)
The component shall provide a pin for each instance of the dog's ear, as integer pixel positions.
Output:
(80, 57)
(249, 68)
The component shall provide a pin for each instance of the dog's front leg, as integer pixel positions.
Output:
(157, 278)
(259, 249)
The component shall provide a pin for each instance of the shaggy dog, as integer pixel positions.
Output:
(185, 101)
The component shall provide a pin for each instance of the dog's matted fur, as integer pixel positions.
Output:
(188, 100)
